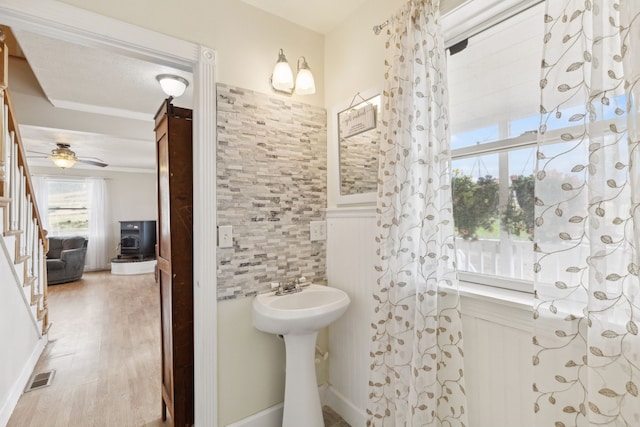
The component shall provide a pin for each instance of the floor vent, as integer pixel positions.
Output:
(40, 380)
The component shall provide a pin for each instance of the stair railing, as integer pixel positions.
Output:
(21, 217)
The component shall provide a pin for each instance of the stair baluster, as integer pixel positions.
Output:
(21, 217)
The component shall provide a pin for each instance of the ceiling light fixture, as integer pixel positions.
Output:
(63, 157)
(282, 77)
(172, 85)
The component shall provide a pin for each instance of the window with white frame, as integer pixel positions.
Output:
(68, 207)
(494, 109)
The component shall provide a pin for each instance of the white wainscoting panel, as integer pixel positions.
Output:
(498, 369)
(350, 267)
(497, 335)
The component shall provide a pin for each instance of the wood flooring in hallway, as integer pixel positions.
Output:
(105, 347)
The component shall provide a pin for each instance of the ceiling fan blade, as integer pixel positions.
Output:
(93, 163)
(37, 152)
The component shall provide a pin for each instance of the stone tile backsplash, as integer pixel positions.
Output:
(272, 175)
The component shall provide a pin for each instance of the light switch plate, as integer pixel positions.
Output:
(225, 236)
(318, 230)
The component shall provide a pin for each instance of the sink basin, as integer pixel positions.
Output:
(298, 317)
(302, 312)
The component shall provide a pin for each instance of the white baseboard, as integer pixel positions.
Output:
(18, 387)
(134, 267)
(353, 415)
(270, 417)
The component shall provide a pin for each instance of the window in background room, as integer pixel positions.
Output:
(68, 207)
(494, 109)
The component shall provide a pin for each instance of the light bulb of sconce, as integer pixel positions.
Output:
(282, 77)
(305, 84)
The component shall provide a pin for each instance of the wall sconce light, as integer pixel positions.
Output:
(172, 85)
(282, 77)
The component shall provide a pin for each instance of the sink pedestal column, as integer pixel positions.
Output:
(301, 399)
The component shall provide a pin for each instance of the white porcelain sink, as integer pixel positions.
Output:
(298, 317)
(299, 313)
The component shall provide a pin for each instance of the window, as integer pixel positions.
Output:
(68, 207)
(494, 103)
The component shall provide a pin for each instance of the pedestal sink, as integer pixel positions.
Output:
(298, 317)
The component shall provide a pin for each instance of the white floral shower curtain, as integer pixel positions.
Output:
(587, 307)
(416, 376)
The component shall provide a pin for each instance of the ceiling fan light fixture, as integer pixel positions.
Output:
(172, 85)
(63, 157)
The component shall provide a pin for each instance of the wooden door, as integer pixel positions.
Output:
(174, 249)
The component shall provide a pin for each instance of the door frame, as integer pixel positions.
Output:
(65, 22)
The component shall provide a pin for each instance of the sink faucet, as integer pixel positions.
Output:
(290, 287)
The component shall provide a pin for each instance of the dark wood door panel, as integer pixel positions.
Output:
(175, 259)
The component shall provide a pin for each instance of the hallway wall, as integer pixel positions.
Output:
(21, 344)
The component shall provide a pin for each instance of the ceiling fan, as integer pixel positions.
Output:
(64, 158)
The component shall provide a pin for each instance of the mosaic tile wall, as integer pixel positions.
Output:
(272, 175)
(359, 162)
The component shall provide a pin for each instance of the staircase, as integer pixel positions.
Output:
(24, 319)
(21, 227)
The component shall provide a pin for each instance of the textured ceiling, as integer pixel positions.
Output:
(75, 76)
(121, 154)
(76, 79)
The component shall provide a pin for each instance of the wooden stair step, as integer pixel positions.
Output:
(22, 258)
(46, 328)
(30, 281)
(35, 299)
(13, 233)
(4, 201)
(42, 313)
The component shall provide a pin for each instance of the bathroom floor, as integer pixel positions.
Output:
(332, 419)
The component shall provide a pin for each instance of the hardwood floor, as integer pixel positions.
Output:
(105, 348)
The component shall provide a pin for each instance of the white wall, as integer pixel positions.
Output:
(132, 197)
(19, 337)
(245, 38)
(252, 377)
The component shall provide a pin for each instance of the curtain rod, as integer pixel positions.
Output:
(378, 28)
